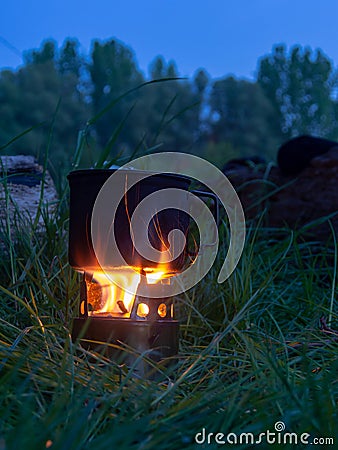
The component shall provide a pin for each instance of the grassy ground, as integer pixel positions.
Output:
(259, 349)
(252, 352)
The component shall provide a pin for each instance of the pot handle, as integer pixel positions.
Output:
(215, 213)
(214, 198)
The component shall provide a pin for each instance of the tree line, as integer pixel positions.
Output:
(59, 91)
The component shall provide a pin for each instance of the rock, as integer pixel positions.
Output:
(296, 154)
(20, 191)
(292, 201)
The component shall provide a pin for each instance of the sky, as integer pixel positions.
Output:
(225, 37)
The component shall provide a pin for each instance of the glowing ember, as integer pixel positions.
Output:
(142, 310)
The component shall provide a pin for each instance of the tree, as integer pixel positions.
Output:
(70, 62)
(43, 92)
(47, 53)
(241, 117)
(299, 87)
(173, 108)
(113, 72)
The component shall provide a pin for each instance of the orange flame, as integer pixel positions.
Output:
(106, 297)
(114, 294)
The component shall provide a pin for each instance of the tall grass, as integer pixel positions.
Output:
(252, 353)
(252, 350)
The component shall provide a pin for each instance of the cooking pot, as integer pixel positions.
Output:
(85, 186)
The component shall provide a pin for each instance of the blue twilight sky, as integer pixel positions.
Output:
(223, 36)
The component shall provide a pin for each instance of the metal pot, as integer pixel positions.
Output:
(85, 186)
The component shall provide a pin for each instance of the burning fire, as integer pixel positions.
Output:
(154, 276)
(106, 297)
(114, 293)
